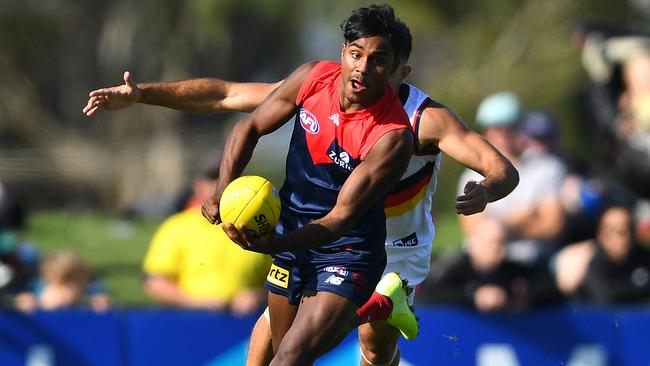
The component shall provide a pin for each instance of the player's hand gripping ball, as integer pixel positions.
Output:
(251, 201)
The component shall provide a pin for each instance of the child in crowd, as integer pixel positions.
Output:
(65, 282)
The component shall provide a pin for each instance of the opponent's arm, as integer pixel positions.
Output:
(274, 111)
(368, 183)
(206, 95)
(440, 127)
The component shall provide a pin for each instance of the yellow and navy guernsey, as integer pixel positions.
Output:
(409, 223)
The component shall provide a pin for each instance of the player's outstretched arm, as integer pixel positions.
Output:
(440, 127)
(368, 183)
(206, 95)
(271, 114)
(113, 98)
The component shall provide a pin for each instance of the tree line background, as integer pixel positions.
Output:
(53, 52)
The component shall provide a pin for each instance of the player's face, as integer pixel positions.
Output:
(366, 65)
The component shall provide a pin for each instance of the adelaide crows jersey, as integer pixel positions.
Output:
(327, 144)
(409, 222)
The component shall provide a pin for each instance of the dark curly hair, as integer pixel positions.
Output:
(378, 20)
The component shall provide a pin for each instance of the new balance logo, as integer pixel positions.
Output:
(334, 280)
(335, 118)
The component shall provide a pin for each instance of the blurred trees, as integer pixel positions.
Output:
(53, 52)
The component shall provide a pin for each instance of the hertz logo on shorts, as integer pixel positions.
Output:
(278, 276)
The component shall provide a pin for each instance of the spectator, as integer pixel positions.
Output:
(619, 68)
(65, 282)
(193, 264)
(581, 197)
(570, 266)
(18, 259)
(633, 122)
(619, 271)
(484, 279)
(642, 215)
(532, 214)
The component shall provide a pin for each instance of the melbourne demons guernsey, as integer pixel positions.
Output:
(327, 144)
(408, 206)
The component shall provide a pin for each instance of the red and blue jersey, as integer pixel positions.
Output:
(326, 146)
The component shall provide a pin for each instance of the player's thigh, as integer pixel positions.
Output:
(281, 316)
(260, 348)
(321, 323)
(378, 338)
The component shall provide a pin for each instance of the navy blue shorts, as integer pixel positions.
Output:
(352, 274)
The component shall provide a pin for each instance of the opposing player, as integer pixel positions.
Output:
(408, 208)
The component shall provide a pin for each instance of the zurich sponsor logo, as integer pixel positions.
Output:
(308, 121)
(342, 159)
(336, 269)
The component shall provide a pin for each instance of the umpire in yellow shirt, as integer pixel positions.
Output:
(193, 264)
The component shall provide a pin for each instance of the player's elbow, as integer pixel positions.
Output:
(339, 222)
(512, 176)
(246, 130)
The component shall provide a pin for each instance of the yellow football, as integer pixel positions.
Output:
(252, 201)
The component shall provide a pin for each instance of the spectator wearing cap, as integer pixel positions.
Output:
(193, 264)
(497, 116)
(532, 214)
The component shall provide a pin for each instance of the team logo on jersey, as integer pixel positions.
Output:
(341, 157)
(408, 241)
(278, 276)
(309, 122)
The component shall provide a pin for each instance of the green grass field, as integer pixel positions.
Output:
(114, 247)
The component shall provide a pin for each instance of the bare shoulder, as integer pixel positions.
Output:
(305, 68)
(399, 141)
(289, 87)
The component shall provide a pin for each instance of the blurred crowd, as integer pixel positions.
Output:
(31, 280)
(572, 230)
